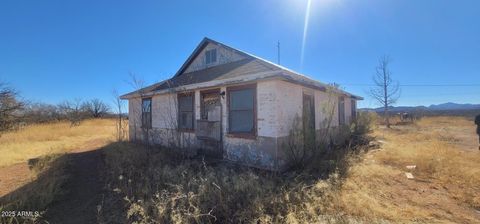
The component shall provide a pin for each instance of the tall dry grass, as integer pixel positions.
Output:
(43, 139)
(447, 178)
(153, 186)
(149, 185)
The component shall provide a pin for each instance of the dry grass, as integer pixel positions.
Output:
(158, 188)
(46, 147)
(43, 139)
(154, 186)
(38, 194)
(446, 186)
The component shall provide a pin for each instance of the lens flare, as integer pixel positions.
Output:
(305, 30)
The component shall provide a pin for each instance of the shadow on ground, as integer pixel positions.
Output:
(71, 188)
(67, 190)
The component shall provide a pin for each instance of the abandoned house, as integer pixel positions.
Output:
(232, 105)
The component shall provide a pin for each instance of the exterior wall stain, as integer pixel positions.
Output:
(260, 152)
(278, 103)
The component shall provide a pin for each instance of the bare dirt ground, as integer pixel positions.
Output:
(83, 189)
(14, 176)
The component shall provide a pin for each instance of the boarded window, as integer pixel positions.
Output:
(341, 111)
(147, 113)
(354, 109)
(242, 110)
(211, 56)
(185, 111)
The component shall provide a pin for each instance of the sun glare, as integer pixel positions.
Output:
(305, 31)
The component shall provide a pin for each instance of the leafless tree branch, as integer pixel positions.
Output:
(386, 91)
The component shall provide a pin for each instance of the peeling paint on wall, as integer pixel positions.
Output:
(278, 103)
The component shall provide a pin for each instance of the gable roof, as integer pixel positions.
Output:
(223, 71)
(250, 65)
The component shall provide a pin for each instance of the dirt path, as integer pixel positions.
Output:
(79, 205)
(13, 177)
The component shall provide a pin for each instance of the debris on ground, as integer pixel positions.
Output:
(411, 167)
(409, 175)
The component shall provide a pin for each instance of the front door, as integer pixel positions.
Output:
(308, 122)
(211, 123)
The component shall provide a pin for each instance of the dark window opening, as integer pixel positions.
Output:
(341, 111)
(147, 113)
(242, 110)
(211, 56)
(354, 109)
(186, 111)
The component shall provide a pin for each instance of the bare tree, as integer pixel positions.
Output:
(121, 124)
(9, 107)
(41, 113)
(386, 91)
(96, 108)
(72, 110)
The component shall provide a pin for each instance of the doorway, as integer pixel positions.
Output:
(209, 127)
(308, 121)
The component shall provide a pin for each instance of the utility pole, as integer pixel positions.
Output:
(278, 52)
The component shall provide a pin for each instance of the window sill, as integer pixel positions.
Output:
(242, 135)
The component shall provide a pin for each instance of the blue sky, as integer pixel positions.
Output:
(56, 50)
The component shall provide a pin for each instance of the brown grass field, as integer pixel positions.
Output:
(42, 139)
(46, 139)
(445, 187)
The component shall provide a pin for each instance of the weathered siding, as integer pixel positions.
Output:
(224, 55)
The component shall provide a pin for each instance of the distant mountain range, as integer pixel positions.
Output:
(439, 107)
